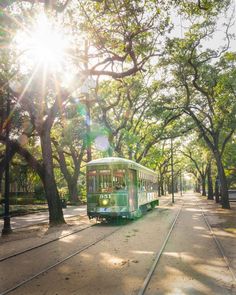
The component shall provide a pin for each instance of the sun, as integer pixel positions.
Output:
(43, 44)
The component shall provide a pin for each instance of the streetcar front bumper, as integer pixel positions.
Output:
(105, 212)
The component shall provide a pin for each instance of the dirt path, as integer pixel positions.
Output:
(191, 263)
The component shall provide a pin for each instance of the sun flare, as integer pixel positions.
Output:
(44, 44)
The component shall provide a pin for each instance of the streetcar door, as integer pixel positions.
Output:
(132, 189)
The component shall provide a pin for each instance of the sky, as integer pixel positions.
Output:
(219, 35)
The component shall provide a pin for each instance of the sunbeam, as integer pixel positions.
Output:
(44, 43)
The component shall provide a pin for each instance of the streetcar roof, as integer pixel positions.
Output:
(121, 161)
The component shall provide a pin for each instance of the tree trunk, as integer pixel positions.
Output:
(222, 180)
(197, 187)
(162, 189)
(165, 187)
(210, 195)
(161, 186)
(71, 180)
(73, 191)
(169, 186)
(203, 180)
(217, 193)
(176, 187)
(52, 195)
(1, 177)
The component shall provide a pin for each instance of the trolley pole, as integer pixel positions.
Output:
(7, 220)
(172, 171)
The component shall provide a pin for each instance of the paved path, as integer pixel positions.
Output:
(35, 218)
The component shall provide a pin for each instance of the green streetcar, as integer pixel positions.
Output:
(119, 187)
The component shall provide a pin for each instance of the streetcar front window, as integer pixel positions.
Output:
(104, 181)
(119, 182)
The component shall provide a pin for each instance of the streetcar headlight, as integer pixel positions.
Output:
(105, 202)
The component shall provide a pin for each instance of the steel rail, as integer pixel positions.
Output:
(219, 246)
(158, 256)
(7, 291)
(43, 244)
(217, 242)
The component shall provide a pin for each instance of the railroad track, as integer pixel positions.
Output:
(46, 242)
(158, 256)
(219, 247)
(154, 266)
(54, 265)
(43, 244)
(30, 278)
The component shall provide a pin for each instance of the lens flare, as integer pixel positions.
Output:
(102, 143)
(45, 43)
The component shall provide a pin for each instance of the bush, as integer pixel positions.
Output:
(39, 191)
(63, 193)
(26, 201)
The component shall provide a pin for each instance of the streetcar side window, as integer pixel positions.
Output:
(119, 182)
(146, 183)
(142, 185)
(150, 185)
(155, 186)
(92, 181)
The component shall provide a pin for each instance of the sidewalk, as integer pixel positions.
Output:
(42, 217)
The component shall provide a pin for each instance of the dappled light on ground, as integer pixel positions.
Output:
(69, 239)
(118, 264)
(198, 227)
(112, 260)
(143, 252)
(194, 209)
